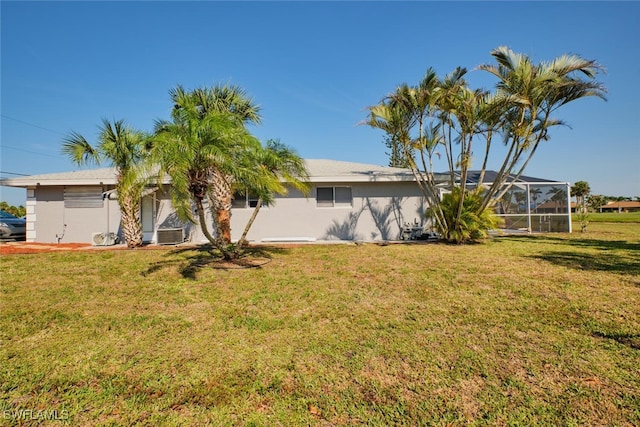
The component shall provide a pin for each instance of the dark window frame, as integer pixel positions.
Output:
(339, 196)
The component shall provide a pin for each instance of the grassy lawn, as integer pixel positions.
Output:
(609, 217)
(522, 330)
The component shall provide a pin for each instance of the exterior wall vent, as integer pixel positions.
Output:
(170, 236)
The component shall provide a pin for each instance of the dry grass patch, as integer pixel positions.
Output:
(520, 330)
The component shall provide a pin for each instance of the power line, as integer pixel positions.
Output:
(31, 124)
(29, 151)
(13, 173)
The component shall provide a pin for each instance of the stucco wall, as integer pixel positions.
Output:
(378, 212)
(50, 216)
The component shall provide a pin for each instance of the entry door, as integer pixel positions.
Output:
(147, 215)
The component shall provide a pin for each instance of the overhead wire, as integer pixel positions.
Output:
(31, 124)
(13, 173)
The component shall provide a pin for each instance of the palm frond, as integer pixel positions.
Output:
(78, 149)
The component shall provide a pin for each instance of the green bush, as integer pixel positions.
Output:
(472, 223)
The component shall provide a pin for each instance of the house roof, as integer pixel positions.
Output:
(490, 176)
(320, 170)
(625, 204)
(549, 204)
(100, 176)
(106, 176)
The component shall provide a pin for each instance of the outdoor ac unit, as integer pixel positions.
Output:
(170, 236)
(104, 239)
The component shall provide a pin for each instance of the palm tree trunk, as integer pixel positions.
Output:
(130, 220)
(220, 201)
(203, 221)
(224, 219)
(243, 239)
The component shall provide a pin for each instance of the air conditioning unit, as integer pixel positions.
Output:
(170, 236)
(104, 239)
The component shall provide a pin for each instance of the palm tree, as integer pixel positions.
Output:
(530, 94)
(232, 100)
(279, 166)
(403, 111)
(204, 149)
(519, 112)
(473, 223)
(535, 193)
(124, 149)
(558, 197)
(521, 198)
(581, 190)
(394, 120)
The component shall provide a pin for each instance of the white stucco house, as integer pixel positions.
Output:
(348, 201)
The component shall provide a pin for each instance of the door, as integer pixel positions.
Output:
(147, 214)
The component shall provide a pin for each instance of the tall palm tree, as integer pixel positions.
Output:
(558, 197)
(532, 93)
(232, 100)
(535, 193)
(521, 198)
(124, 149)
(405, 111)
(279, 167)
(520, 111)
(581, 190)
(206, 148)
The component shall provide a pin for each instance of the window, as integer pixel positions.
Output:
(343, 196)
(333, 197)
(324, 197)
(243, 200)
(239, 200)
(252, 200)
(83, 197)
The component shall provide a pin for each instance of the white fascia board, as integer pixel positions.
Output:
(364, 178)
(33, 183)
(17, 182)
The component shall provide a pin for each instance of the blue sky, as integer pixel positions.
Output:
(313, 67)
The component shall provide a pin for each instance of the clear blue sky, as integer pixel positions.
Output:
(313, 67)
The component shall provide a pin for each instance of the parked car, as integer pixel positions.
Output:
(12, 227)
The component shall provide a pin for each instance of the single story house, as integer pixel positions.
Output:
(621, 206)
(347, 201)
(554, 206)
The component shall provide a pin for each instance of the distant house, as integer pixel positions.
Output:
(554, 207)
(620, 207)
(347, 201)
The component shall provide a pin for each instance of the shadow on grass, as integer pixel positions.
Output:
(585, 243)
(614, 256)
(630, 340)
(595, 262)
(191, 260)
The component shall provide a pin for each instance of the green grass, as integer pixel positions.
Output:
(522, 330)
(609, 217)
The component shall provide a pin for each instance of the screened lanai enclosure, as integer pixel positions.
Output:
(532, 204)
